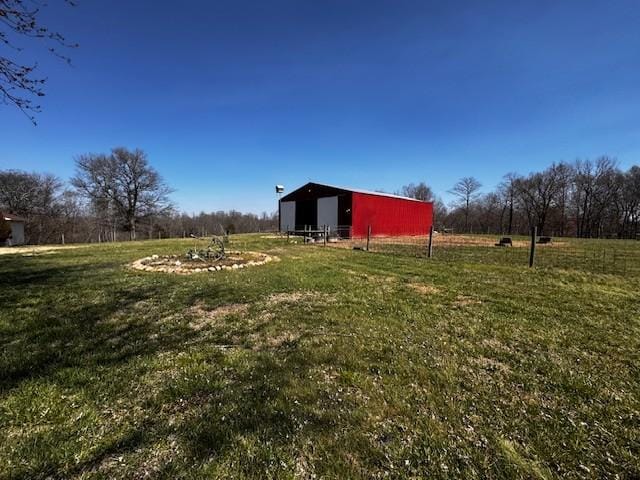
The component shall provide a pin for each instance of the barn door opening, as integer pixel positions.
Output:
(344, 215)
(306, 213)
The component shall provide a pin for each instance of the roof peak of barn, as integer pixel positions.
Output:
(359, 190)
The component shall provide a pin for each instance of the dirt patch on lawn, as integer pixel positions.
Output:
(273, 341)
(492, 365)
(465, 301)
(424, 289)
(384, 281)
(297, 297)
(201, 317)
(37, 249)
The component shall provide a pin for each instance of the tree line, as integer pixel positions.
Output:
(585, 198)
(111, 197)
(119, 196)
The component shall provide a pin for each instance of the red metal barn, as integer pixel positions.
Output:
(349, 212)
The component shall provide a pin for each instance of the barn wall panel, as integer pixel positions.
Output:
(390, 216)
(328, 212)
(287, 216)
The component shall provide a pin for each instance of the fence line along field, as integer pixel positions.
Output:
(620, 257)
(327, 363)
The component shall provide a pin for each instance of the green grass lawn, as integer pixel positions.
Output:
(329, 363)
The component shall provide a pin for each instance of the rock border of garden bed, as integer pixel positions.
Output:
(176, 264)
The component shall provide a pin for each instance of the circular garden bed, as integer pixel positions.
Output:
(182, 265)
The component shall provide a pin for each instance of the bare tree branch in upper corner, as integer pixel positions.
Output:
(20, 83)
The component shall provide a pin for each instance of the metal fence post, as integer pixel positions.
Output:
(532, 253)
(368, 236)
(430, 250)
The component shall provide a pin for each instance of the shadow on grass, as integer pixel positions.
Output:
(96, 320)
(216, 425)
(67, 316)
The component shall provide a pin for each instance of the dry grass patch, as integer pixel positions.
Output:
(37, 249)
(144, 463)
(201, 317)
(465, 301)
(279, 340)
(424, 289)
(298, 297)
(492, 365)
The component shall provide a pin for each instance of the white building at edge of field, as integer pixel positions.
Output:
(17, 230)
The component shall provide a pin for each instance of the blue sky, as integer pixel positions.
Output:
(230, 98)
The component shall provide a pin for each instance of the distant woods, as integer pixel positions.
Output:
(586, 198)
(115, 196)
(120, 196)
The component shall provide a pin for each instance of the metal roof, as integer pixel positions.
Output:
(369, 192)
(348, 189)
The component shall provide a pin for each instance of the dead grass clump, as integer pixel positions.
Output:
(465, 301)
(424, 289)
(267, 342)
(370, 277)
(202, 317)
(492, 365)
(297, 297)
(496, 345)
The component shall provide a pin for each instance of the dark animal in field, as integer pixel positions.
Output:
(504, 242)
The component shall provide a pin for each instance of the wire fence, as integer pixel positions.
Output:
(617, 257)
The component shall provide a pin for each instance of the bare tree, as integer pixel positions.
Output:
(564, 173)
(19, 84)
(466, 189)
(439, 213)
(538, 193)
(507, 191)
(488, 212)
(34, 196)
(124, 181)
(628, 203)
(421, 191)
(594, 190)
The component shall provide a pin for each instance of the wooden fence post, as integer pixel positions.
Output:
(324, 234)
(368, 236)
(63, 238)
(430, 250)
(532, 253)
